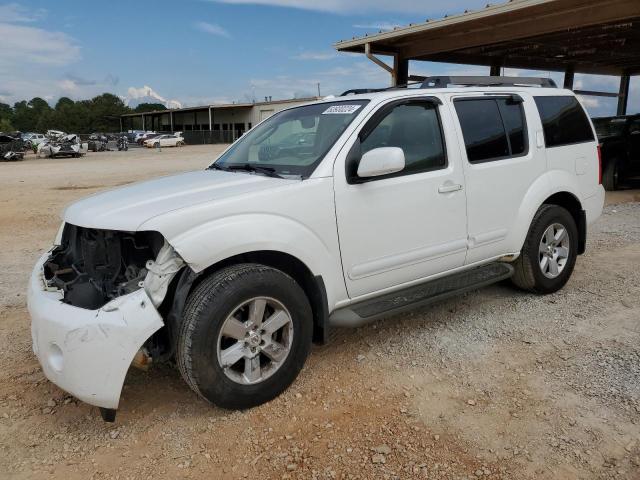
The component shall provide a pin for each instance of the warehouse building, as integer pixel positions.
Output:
(209, 123)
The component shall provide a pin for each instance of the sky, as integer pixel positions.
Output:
(196, 52)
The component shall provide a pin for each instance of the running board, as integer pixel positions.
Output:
(419, 295)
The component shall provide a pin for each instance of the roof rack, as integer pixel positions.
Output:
(444, 82)
(359, 91)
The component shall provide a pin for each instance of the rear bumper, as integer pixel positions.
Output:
(593, 205)
(88, 352)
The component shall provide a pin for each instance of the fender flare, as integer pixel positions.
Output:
(545, 186)
(227, 237)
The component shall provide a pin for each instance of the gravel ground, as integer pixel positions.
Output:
(492, 384)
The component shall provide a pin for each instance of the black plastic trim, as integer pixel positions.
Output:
(321, 313)
(582, 232)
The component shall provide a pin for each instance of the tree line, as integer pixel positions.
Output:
(99, 114)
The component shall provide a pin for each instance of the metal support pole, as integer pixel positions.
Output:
(495, 70)
(143, 123)
(380, 63)
(623, 97)
(400, 70)
(121, 129)
(171, 120)
(568, 78)
(210, 124)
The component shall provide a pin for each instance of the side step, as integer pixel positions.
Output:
(420, 295)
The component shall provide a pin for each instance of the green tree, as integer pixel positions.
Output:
(149, 107)
(6, 112)
(5, 125)
(105, 111)
(26, 115)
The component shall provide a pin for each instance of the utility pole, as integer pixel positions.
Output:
(319, 90)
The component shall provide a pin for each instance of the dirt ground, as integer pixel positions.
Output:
(493, 384)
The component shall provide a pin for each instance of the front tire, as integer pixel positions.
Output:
(245, 335)
(549, 253)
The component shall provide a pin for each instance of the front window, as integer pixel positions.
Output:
(293, 142)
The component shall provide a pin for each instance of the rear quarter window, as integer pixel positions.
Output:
(564, 121)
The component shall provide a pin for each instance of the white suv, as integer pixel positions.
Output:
(395, 199)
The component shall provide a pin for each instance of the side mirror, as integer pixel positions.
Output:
(381, 161)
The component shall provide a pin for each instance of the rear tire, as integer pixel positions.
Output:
(611, 176)
(230, 319)
(549, 252)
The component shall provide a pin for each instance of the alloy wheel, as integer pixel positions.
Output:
(553, 252)
(255, 340)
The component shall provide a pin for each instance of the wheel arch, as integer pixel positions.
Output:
(553, 188)
(572, 204)
(312, 285)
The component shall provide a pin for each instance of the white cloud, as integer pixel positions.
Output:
(147, 94)
(590, 103)
(315, 56)
(359, 6)
(212, 29)
(22, 44)
(14, 13)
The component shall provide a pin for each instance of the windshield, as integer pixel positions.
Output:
(292, 142)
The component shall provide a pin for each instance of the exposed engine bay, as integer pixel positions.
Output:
(92, 267)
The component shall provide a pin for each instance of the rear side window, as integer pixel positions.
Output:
(493, 128)
(564, 121)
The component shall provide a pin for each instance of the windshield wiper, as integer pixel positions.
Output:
(249, 167)
(215, 166)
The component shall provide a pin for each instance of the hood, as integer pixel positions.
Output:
(126, 208)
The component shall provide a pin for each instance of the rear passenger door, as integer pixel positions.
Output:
(499, 166)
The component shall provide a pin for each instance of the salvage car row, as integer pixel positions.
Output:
(60, 144)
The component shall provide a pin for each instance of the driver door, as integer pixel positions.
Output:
(404, 227)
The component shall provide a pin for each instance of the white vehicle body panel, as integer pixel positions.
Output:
(88, 352)
(363, 240)
(400, 229)
(488, 185)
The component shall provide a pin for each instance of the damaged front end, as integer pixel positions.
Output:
(97, 303)
(92, 267)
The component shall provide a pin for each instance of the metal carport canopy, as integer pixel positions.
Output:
(572, 36)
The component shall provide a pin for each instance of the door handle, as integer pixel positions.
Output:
(449, 188)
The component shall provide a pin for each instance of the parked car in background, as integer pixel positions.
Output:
(11, 147)
(65, 146)
(34, 138)
(131, 135)
(167, 140)
(408, 196)
(619, 139)
(141, 137)
(98, 142)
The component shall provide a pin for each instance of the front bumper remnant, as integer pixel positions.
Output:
(88, 352)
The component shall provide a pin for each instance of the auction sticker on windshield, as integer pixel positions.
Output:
(341, 109)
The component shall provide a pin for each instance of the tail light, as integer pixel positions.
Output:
(599, 164)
